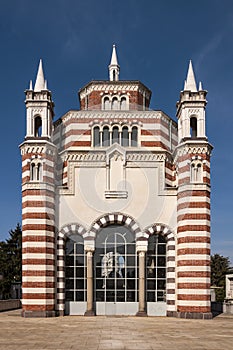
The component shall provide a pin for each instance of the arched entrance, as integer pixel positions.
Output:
(115, 272)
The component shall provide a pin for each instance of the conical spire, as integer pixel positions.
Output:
(114, 68)
(190, 80)
(40, 81)
(114, 60)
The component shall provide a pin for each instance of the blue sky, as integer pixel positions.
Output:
(155, 40)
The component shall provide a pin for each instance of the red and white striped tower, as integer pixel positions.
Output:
(38, 156)
(192, 158)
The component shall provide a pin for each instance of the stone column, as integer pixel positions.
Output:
(141, 250)
(89, 256)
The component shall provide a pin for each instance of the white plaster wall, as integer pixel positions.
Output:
(144, 203)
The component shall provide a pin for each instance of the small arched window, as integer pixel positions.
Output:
(96, 137)
(115, 134)
(106, 136)
(114, 75)
(193, 127)
(196, 172)
(125, 137)
(107, 105)
(115, 104)
(199, 173)
(37, 126)
(33, 172)
(134, 136)
(123, 103)
(36, 171)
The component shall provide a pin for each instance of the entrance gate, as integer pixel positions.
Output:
(116, 275)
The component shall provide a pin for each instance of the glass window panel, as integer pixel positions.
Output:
(115, 103)
(69, 295)
(161, 272)
(69, 283)
(80, 296)
(156, 267)
(80, 283)
(110, 295)
(100, 296)
(100, 283)
(106, 136)
(123, 103)
(79, 272)
(69, 260)
(151, 296)
(151, 284)
(131, 295)
(161, 284)
(110, 283)
(79, 249)
(130, 248)
(162, 249)
(121, 296)
(115, 134)
(125, 137)
(79, 260)
(69, 272)
(96, 141)
(134, 136)
(161, 261)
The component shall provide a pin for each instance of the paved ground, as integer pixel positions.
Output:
(90, 333)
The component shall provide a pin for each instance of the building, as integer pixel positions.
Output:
(116, 203)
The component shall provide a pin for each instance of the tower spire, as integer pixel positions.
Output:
(40, 81)
(190, 80)
(114, 68)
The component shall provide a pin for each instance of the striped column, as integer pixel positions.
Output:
(193, 238)
(38, 238)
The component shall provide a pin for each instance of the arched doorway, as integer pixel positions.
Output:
(115, 272)
(75, 275)
(156, 275)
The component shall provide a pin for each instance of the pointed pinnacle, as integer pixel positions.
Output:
(30, 85)
(114, 60)
(190, 81)
(40, 81)
(200, 86)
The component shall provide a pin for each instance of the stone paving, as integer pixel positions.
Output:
(129, 333)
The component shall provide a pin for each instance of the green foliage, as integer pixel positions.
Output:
(220, 266)
(11, 261)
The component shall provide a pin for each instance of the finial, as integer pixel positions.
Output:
(30, 85)
(45, 85)
(200, 86)
(40, 81)
(190, 80)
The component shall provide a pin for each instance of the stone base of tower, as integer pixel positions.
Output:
(191, 315)
(38, 311)
(34, 314)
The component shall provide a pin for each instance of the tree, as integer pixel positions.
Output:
(220, 266)
(11, 261)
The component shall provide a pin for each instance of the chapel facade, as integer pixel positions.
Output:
(116, 203)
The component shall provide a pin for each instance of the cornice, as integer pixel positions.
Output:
(119, 115)
(192, 147)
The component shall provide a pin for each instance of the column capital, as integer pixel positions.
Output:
(89, 246)
(141, 246)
